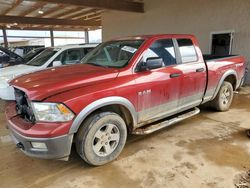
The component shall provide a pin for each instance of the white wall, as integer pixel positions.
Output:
(198, 17)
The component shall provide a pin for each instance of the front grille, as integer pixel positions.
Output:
(23, 107)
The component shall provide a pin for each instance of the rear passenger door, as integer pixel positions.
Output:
(193, 79)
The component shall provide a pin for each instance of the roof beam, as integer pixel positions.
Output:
(82, 14)
(46, 21)
(79, 11)
(64, 13)
(14, 5)
(102, 4)
(94, 16)
(47, 28)
(37, 6)
(52, 10)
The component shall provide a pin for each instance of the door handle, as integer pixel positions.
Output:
(200, 70)
(174, 75)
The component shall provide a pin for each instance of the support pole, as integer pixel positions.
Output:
(86, 36)
(5, 38)
(52, 38)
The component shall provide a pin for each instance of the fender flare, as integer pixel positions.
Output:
(101, 103)
(226, 74)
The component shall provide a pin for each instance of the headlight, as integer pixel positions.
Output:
(52, 112)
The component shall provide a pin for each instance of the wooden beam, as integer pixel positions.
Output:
(84, 14)
(43, 28)
(92, 16)
(78, 11)
(64, 13)
(52, 10)
(37, 6)
(14, 5)
(46, 21)
(121, 5)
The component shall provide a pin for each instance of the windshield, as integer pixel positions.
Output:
(31, 54)
(43, 57)
(113, 54)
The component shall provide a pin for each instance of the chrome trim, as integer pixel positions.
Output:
(169, 111)
(101, 103)
(166, 123)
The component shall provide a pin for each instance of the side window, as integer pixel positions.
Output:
(163, 49)
(187, 50)
(87, 50)
(59, 57)
(71, 56)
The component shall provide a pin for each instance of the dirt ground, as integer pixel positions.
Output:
(209, 150)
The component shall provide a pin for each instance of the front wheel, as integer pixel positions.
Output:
(224, 98)
(101, 138)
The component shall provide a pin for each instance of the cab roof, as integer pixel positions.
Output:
(145, 37)
(70, 46)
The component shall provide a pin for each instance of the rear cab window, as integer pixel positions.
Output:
(187, 50)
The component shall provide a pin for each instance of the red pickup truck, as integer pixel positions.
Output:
(133, 85)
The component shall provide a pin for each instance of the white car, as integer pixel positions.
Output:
(50, 57)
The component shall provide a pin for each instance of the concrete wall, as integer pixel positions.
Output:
(198, 17)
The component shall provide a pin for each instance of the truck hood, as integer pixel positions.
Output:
(10, 53)
(43, 84)
(13, 71)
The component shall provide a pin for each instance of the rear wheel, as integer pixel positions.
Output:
(101, 138)
(224, 98)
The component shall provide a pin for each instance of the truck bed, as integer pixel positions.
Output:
(209, 57)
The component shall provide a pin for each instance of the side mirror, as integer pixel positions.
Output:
(151, 63)
(57, 63)
(154, 63)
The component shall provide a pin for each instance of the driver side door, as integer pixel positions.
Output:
(158, 89)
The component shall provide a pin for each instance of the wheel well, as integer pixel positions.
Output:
(232, 80)
(121, 110)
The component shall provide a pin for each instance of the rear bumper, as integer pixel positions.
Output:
(56, 148)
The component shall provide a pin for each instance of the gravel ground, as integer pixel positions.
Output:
(208, 150)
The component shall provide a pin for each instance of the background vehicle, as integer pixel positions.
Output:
(23, 50)
(134, 85)
(8, 58)
(50, 57)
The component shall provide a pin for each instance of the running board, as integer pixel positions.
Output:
(147, 129)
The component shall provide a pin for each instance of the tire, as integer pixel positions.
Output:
(101, 138)
(224, 98)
